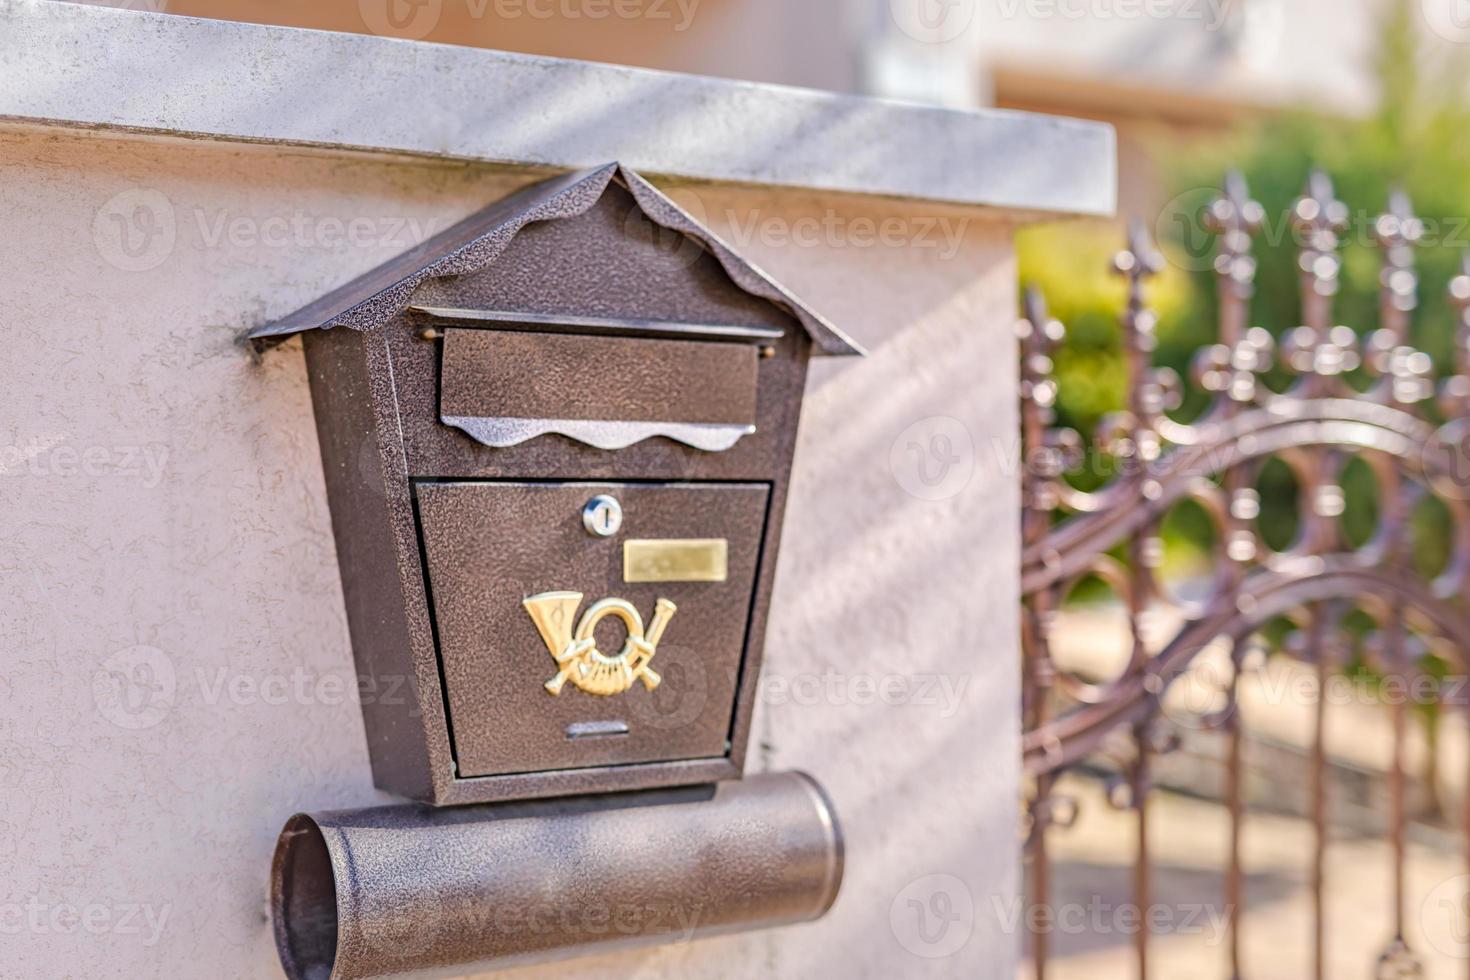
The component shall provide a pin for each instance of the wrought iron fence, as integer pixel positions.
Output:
(1323, 417)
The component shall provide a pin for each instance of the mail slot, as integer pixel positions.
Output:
(557, 439)
(496, 382)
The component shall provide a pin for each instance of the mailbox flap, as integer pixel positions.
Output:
(503, 387)
(590, 624)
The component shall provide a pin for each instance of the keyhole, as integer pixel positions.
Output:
(602, 516)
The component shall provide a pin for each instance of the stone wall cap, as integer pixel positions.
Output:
(105, 68)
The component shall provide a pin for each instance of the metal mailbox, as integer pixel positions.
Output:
(557, 439)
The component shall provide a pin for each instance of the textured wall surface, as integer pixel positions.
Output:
(176, 675)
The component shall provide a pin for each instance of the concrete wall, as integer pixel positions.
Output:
(175, 656)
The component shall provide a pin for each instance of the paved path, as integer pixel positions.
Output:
(1277, 701)
(1093, 875)
(1189, 837)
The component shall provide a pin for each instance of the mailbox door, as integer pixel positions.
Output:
(518, 577)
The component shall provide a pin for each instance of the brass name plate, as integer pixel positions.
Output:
(676, 560)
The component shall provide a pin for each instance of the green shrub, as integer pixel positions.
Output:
(1072, 266)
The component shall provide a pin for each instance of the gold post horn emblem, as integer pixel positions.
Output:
(575, 650)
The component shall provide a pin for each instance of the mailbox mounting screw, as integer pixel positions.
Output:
(767, 351)
(602, 516)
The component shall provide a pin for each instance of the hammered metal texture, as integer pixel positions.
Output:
(497, 374)
(609, 260)
(397, 890)
(489, 545)
(377, 395)
(435, 449)
(474, 243)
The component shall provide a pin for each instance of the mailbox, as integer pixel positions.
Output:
(557, 440)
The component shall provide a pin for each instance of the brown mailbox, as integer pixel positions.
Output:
(557, 439)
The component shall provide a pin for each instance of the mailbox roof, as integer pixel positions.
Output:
(376, 296)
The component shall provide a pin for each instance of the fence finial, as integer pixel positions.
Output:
(1454, 391)
(1134, 432)
(1396, 231)
(1050, 452)
(1318, 218)
(1235, 218)
(1039, 334)
(1406, 371)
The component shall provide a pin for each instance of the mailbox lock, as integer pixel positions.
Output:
(602, 516)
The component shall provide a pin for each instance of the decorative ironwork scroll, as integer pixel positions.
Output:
(1316, 424)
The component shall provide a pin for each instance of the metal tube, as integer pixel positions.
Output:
(414, 889)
